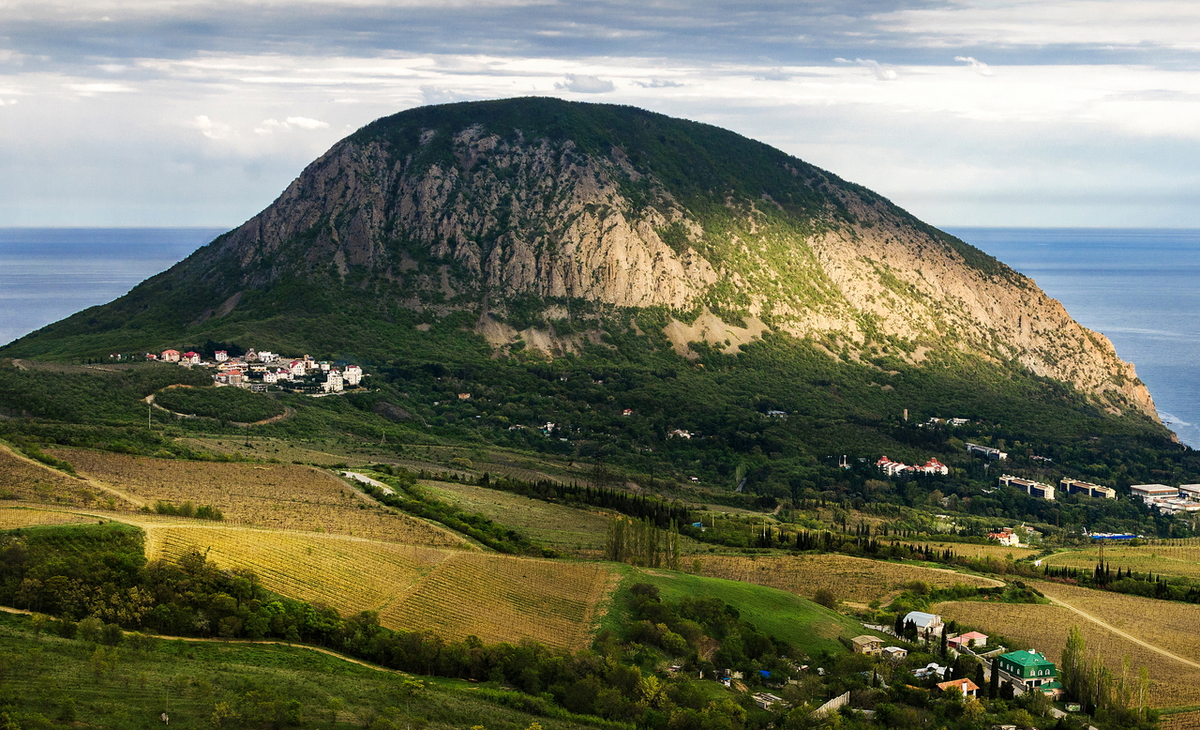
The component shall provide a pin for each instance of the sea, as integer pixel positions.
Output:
(1140, 287)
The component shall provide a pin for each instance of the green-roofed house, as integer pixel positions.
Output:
(1029, 670)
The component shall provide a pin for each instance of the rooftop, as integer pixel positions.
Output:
(1026, 658)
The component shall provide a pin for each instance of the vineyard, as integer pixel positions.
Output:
(280, 496)
(502, 598)
(348, 574)
(856, 580)
(973, 550)
(22, 478)
(1045, 629)
(1181, 721)
(14, 517)
(1180, 558)
(557, 526)
(1166, 624)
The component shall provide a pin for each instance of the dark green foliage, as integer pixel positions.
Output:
(226, 404)
(73, 394)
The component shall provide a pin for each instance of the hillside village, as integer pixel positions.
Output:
(258, 371)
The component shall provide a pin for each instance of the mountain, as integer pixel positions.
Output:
(548, 227)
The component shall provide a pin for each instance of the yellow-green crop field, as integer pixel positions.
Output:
(1181, 559)
(1045, 629)
(504, 598)
(279, 496)
(857, 580)
(14, 517)
(450, 592)
(554, 525)
(351, 575)
(972, 550)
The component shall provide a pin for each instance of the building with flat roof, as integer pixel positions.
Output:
(986, 452)
(1074, 486)
(1149, 492)
(1191, 491)
(1030, 487)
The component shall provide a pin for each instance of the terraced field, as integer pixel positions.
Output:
(502, 598)
(1182, 558)
(856, 580)
(1045, 629)
(351, 575)
(280, 496)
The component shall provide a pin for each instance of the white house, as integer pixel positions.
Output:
(190, 358)
(333, 381)
(928, 624)
(220, 355)
(353, 375)
(169, 356)
(298, 367)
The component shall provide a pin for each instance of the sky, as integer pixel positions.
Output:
(988, 113)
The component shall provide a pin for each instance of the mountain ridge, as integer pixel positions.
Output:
(546, 223)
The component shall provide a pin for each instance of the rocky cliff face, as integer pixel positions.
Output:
(479, 206)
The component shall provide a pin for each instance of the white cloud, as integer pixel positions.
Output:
(979, 67)
(881, 72)
(270, 126)
(97, 88)
(211, 129)
(306, 123)
(584, 84)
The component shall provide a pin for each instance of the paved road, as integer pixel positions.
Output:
(364, 479)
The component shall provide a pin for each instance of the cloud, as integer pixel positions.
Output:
(270, 126)
(97, 88)
(659, 84)
(211, 129)
(775, 74)
(583, 84)
(306, 123)
(979, 67)
(881, 72)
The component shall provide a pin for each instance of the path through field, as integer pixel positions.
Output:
(1123, 634)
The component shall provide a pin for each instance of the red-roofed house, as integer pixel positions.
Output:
(1005, 537)
(969, 639)
(170, 356)
(933, 466)
(892, 468)
(191, 358)
(966, 686)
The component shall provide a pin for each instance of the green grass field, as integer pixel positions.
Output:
(48, 682)
(779, 613)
